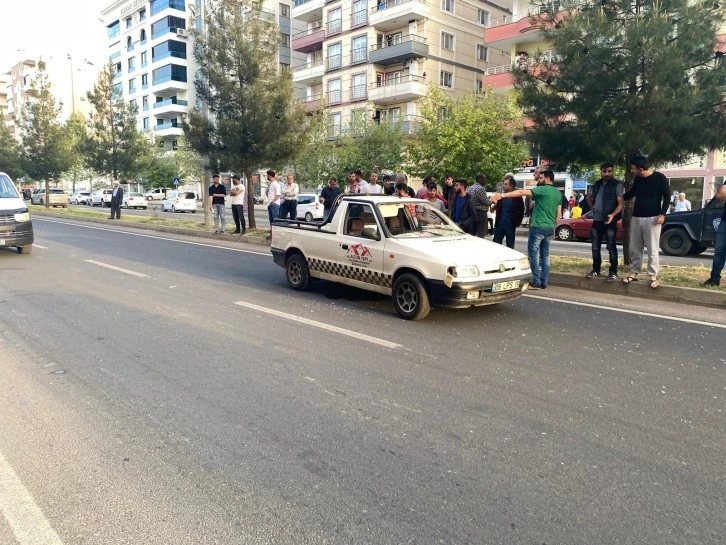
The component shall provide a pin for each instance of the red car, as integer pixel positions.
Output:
(579, 229)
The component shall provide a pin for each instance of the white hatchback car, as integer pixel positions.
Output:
(134, 200)
(180, 201)
(101, 197)
(309, 207)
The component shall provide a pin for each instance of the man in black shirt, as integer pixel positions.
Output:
(719, 254)
(328, 196)
(652, 199)
(217, 192)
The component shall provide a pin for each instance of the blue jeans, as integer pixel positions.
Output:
(219, 219)
(273, 212)
(538, 251)
(719, 254)
(504, 230)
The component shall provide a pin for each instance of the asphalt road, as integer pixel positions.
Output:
(166, 400)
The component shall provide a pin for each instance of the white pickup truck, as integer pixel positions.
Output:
(404, 248)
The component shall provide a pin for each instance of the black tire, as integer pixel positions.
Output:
(697, 249)
(42, 202)
(25, 249)
(173, 209)
(676, 242)
(410, 298)
(308, 216)
(564, 233)
(194, 211)
(297, 272)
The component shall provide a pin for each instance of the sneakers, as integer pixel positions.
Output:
(711, 282)
(216, 231)
(592, 274)
(612, 277)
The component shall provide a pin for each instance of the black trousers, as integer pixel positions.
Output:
(115, 209)
(238, 215)
(599, 232)
(482, 224)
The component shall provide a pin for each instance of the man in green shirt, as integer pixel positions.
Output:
(547, 209)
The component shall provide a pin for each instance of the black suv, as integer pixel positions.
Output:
(691, 232)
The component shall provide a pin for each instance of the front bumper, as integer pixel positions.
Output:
(456, 295)
(16, 234)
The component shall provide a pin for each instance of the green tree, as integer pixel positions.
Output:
(45, 145)
(469, 135)
(248, 117)
(630, 77)
(10, 153)
(76, 132)
(114, 145)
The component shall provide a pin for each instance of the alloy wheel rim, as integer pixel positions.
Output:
(407, 297)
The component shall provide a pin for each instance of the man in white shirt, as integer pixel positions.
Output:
(362, 184)
(290, 191)
(274, 193)
(683, 205)
(373, 188)
(237, 191)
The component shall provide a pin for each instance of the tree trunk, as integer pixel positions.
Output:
(627, 209)
(249, 187)
(47, 195)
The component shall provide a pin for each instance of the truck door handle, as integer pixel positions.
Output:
(344, 246)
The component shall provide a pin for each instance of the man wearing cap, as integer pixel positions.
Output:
(117, 197)
(238, 196)
(217, 193)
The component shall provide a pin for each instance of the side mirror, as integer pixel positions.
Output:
(371, 233)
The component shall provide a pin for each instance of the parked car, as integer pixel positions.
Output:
(56, 197)
(80, 197)
(579, 228)
(258, 199)
(692, 232)
(101, 197)
(309, 207)
(134, 200)
(180, 201)
(157, 193)
(16, 227)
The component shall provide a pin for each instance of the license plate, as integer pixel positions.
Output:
(505, 286)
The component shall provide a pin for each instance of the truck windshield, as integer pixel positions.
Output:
(7, 188)
(417, 219)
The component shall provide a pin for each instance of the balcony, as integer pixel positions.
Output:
(168, 129)
(395, 14)
(391, 92)
(334, 62)
(167, 83)
(308, 10)
(334, 27)
(409, 123)
(313, 103)
(513, 29)
(310, 73)
(308, 40)
(169, 106)
(358, 19)
(388, 53)
(501, 78)
(160, 5)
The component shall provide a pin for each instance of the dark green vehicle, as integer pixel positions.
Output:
(685, 233)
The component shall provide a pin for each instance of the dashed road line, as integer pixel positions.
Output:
(39, 246)
(23, 515)
(321, 325)
(119, 269)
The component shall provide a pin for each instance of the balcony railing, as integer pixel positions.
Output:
(334, 27)
(380, 6)
(359, 55)
(358, 18)
(550, 55)
(391, 42)
(160, 5)
(334, 62)
(164, 126)
(333, 97)
(397, 81)
(508, 19)
(309, 31)
(168, 54)
(307, 65)
(358, 92)
(334, 131)
(169, 102)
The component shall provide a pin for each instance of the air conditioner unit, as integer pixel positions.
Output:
(181, 32)
(317, 25)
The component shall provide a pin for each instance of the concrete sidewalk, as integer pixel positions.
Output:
(669, 294)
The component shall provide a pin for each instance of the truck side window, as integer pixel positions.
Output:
(359, 216)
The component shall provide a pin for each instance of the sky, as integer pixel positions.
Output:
(51, 29)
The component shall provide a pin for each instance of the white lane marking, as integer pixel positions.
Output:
(627, 311)
(321, 325)
(39, 246)
(24, 517)
(155, 237)
(119, 269)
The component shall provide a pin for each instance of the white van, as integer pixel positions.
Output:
(16, 227)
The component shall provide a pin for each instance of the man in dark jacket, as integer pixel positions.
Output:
(510, 213)
(606, 201)
(117, 197)
(462, 207)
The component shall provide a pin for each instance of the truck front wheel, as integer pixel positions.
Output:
(675, 242)
(298, 274)
(410, 298)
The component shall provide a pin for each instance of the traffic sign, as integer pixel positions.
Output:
(176, 181)
(579, 185)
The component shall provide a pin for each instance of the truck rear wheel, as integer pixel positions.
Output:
(697, 249)
(297, 272)
(410, 298)
(676, 242)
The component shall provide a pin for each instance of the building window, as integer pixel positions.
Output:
(360, 13)
(170, 48)
(174, 145)
(145, 123)
(334, 125)
(284, 39)
(142, 14)
(482, 52)
(335, 21)
(132, 64)
(358, 90)
(143, 59)
(483, 17)
(479, 84)
(114, 29)
(358, 121)
(393, 78)
(446, 79)
(129, 22)
(447, 5)
(144, 80)
(117, 91)
(129, 44)
(334, 56)
(169, 72)
(142, 36)
(284, 10)
(334, 91)
(132, 85)
(447, 41)
(359, 49)
(133, 104)
(167, 24)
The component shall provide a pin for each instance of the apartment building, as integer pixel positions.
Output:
(515, 33)
(377, 59)
(17, 94)
(152, 54)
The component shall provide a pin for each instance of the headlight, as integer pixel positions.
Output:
(466, 271)
(524, 264)
(22, 217)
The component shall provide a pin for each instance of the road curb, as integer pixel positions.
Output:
(642, 290)
(163, 229)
